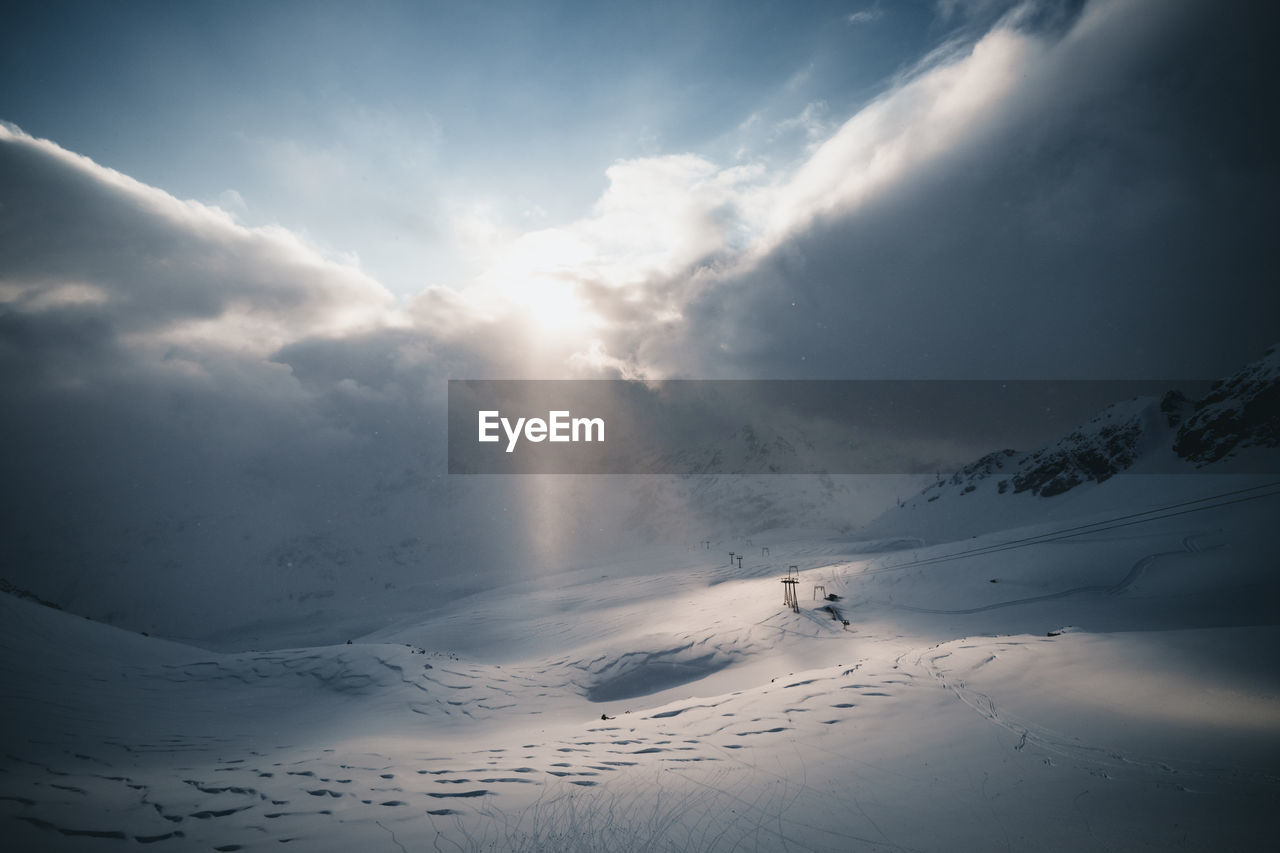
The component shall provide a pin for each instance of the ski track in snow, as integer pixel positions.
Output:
(1190, 544)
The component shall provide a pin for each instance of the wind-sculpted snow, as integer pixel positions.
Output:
(640, 673)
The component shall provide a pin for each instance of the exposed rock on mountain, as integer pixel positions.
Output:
(1242, 411)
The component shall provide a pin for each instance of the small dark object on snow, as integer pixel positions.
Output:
(993, 580)
(832, 597)
(605, 717)
(348, 642)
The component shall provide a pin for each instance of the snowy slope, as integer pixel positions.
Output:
(953, 714)
(1082, 668)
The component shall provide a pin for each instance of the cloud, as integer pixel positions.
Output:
(658, 219)
(1041, 201)
(161, 448)
(812, 122)
(1036, 169)
(930, 117)
(160, 271)
(865, 16)
(949, 10)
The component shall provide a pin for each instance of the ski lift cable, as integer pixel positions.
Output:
(1127, 520)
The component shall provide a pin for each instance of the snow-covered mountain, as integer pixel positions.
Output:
(977, 681)
(1241, 412)
(751, 450)
(1112, 694)
(1168, 437)
(379, 533)
(758, 477)
(270, 550)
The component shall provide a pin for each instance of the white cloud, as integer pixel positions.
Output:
(865, 16)
(929, 117)
(949, 10)
(161, 270)
(658, 218)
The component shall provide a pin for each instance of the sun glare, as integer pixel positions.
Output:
(537, 274)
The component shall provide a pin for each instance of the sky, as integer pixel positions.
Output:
(817, 189)
(243, 246)
(415, 134)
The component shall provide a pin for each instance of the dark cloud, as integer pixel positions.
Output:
(150, 261)
(197, 414)
(1111, 218)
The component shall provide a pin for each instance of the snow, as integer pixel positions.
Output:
(1065, 681)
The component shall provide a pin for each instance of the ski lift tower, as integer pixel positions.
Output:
(789, 584)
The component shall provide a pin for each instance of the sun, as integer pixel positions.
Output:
(538, 275)
(548, 303)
